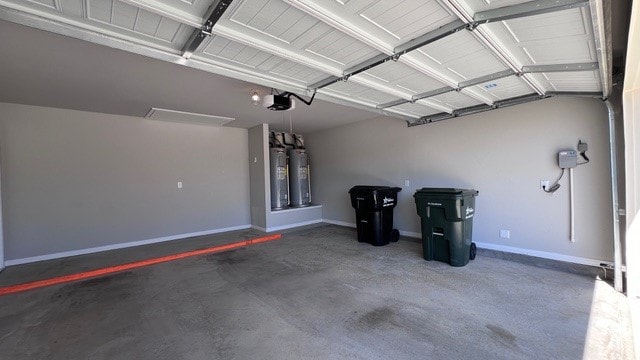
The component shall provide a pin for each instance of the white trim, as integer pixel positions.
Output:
(353, 225)
(481, 245)
(120, 246)
(411, 234)
(507, 249)
(284, 227)
(543, 254)
(255, 227)
(292, 209)
(339, 223)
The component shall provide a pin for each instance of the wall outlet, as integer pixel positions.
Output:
(179, 184)
(544, 184)
(406, 183)
(505, 234)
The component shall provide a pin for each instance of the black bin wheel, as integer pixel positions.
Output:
(472, 251)
(395, 235)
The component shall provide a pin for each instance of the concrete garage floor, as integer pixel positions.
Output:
(316, 293)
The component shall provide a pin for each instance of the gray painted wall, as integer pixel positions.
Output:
(259, 172)
(504, 154)
(73, 180)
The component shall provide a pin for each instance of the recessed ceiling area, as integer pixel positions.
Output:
(417, 60)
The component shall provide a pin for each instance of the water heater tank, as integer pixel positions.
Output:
(299, 180)
(279, 178)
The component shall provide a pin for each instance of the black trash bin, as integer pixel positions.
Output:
(447, 224)
(374, 213)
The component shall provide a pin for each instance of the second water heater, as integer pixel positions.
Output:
(299, 180)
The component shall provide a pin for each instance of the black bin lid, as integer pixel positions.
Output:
(372, 189)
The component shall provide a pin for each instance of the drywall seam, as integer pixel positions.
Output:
(92, 250)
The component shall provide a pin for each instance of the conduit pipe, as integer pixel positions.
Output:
(572, 210)
(617, 248)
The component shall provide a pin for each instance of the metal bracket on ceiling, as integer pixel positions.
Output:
(393, 103)
(478, 109)
(529, 69)
(597, 95)
(197, 37)
(400, 50)
(530, 8)
(591, 66)
(483, 79)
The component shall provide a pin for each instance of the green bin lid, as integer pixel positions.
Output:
(446, 191)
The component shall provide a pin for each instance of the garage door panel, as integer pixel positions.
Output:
(505, 88)
(361, 93)
(548, 26)
(455, 100)
(473, 6)
(285, 25)
(219, 48)
(561, 37)
(388, 23)
(587, 81)
(337, 47)
(406, 19)
(415, 110)
(463, 55)
(404, 77)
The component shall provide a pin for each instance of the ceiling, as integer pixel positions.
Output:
(417, 60)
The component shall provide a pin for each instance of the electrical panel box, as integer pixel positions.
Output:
(567, 159)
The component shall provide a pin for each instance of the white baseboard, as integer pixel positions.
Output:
(411, 234)
(507, 249)
(119, 246)
(339, 223)
(289, 226)
(542, 254)
(353, 225)
(259, 228)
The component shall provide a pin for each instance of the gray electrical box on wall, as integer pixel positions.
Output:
(567, 159)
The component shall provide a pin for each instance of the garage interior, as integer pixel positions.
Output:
(137, 129)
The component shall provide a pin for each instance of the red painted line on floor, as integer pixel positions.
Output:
(133, 265)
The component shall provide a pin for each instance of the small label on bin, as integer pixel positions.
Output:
(469, 213)
(387, 202)
(434, 204)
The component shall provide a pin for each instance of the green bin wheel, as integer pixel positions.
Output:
(395, 235)
(472, 251)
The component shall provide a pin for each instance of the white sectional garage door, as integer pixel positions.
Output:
(420, 60)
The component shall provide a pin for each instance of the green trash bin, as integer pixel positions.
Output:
(447, 224)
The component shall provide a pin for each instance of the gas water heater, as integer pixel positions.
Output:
(299, 180)
(279, 178)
